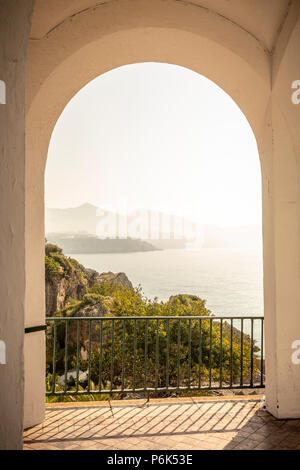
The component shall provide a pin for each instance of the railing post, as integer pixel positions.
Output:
(66, 355)
(189, 354)
(89, 357)
(251, 375)
(221, 353)
(77, 354)
(123, 354)
(178, 355)
(242, 352)
(262, 354)
(168, 355)
(200, 353)
(54, 356)
(156, 354)
(100, 354)
(210, 350)
(112, 354)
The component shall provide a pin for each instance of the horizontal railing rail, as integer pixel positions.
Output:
(153, 354)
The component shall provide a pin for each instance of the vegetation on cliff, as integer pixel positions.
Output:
(58, 265)
(65, 279)
(174, 356)
(68, 282)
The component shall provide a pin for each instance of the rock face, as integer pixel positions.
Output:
(67, 291)
(116, 279)
(67, 280)
(101, 308)
(186, 299)
(82, 377)
(58, 293)
(183, 298)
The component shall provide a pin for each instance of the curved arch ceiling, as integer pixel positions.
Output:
(263, 20)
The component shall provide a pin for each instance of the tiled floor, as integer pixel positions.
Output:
(171, 424)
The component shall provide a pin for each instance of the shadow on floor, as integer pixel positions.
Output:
(231, 424)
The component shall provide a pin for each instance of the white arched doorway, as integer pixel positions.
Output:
(132, 32)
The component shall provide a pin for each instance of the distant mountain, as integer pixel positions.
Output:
(159, 230)
(91, 244)
(142, 224)
(75, 219)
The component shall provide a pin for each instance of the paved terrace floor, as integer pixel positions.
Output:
(168, 424)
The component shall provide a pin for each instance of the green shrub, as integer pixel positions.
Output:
(128, 302)
(52, 269)
(51, 248)
(57, 263)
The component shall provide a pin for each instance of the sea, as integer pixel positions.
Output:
(230, 280)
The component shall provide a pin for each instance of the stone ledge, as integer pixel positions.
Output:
(161, 401)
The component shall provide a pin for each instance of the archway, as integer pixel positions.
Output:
(125, 32)
(179, 131)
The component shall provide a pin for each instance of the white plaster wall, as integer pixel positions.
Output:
(118, 33)
(100, 40)
(58, 66)
(285, 224)
(34, 390)
(15, 19)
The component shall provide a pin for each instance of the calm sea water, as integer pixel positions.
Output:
(229, 280)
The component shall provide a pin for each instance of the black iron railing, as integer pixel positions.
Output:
(121, 355)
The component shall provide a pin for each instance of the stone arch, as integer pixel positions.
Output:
(98, 39)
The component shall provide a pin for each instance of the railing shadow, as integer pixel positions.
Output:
(230, 424)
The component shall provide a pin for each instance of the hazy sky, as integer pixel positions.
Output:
(156, 136)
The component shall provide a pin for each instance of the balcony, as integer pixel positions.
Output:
(153, 356)
(150, 357)
(168, 424)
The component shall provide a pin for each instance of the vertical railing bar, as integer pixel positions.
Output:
(123, 354)
(146, 353)
(221, 353)
(77, 354)
(242, 353)
(231, 352)
(262, 354)
(112, 354)
(200, 353)
(89, 357)
(156, 355)
(210, 350)
(54, 356)
(66, 355)
(190, 354)
(178, 354)
(100, 355)
(251, 376)
(134, 356)
(168, 355)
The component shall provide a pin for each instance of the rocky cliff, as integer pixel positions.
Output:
(114, 279)
(67, 281)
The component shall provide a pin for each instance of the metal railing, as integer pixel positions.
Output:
(121, 355)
